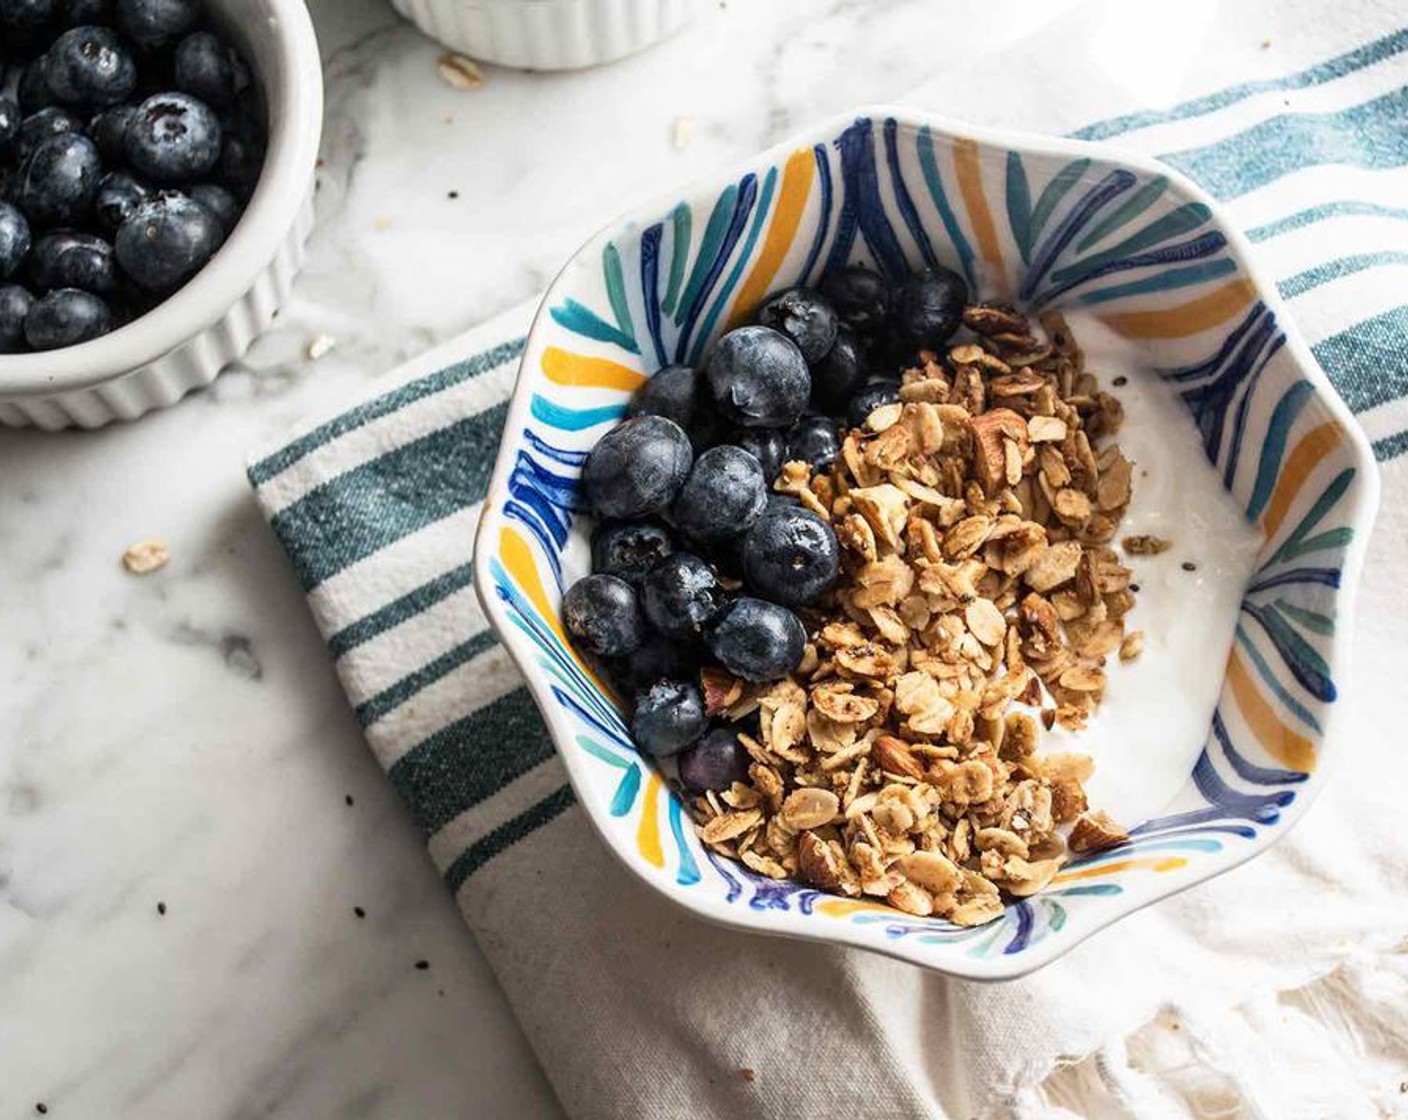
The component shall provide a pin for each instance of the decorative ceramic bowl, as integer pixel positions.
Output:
(1048, 223)
(184, 343)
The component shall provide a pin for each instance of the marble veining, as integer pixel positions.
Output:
(179, 739)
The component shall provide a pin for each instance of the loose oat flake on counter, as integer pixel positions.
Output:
(979, 585)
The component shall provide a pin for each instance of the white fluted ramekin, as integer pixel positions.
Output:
(548, 34)
(184, 343)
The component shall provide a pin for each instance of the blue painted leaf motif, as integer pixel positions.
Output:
(903, 201)
(1300, 657)
(863, 206)
(1247, 770)
(823, 176)
(1205, 245)
(1054, 192)
(726, 291)
(714, 231)
(1125, 213)
(1167, 280)
(745, 194)
(1048, 251)
(1186, 219)
(650, 287)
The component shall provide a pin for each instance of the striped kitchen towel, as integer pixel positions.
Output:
(636, 1010)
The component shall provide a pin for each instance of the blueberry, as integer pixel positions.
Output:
(874, 393)
(40, 126)
(629, 549)
(119, 197)
(89, 66)
(709, 429)
(723, 495)
(173, 138)
(66, 258)
(56, 184)
(603, 615)
(14, 240)
(206, 67)
(837, 376)
(860, 295)
(220, 202)
(804, 317)
(66, 317)
(15, 304)
(928, 308)
(767, 445)
(9, 119)
(758, 378)
(672, 392)
(756, 640)
(637, 468)
(679, 595)
(154, 23)
(790, 556)
(21, 14)
(714, 763)
(76, 13)
(166, 241)
(109, 131)
(813, 440)
(32, 90)
(656, 658)
(669, 716)
(241, 155)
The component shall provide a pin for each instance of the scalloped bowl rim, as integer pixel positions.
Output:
(294, 134)
(1047, 950)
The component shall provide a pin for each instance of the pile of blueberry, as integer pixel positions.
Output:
(695, 561)
(129, 145)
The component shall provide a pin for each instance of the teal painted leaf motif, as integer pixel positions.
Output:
(1060, 185)
(582, 320)
(616, 289)
(626, 791)
(1269, 678)
(1125, 213)
(1321, 542)
(1278, 429)
(681, 220)
(714, 232)
(1166, 280)
(929, 165)
(1322, 506)
(1313, 621)
(1019, 205)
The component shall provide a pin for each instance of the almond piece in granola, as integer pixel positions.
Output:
(1095, 831)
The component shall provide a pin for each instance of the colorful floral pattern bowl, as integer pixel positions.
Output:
(1048, 223)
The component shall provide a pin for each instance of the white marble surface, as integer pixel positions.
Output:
(181, 738)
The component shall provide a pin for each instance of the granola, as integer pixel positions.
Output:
(976, 518)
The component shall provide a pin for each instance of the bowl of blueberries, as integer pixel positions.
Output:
(156, 177)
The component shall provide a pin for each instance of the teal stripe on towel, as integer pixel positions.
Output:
(1368, 362)
(506, 835)
(471, 759)
(463, 370)
(401, 610)
(376, 504)
(412, 684)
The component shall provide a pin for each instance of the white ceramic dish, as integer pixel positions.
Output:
(1145, 255)
(548, 34)
(184, 343)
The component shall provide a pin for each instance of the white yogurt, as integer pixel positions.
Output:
(1154, 721)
